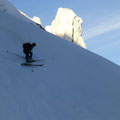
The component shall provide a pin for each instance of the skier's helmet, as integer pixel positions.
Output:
(33, 44)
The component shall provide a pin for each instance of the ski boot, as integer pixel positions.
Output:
(27, 63)
(31, 60)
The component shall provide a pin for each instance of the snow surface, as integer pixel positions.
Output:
(73, 84)
(6, 6)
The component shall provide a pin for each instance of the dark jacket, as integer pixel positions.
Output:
(27, 47)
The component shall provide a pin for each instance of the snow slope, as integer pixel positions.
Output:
(6, 6)
(73, 84)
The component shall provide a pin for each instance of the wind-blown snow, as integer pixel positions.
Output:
(73, 84)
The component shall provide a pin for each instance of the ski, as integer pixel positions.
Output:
(37, 60)
(24, 64)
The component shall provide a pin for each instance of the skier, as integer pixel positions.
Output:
(27, 47)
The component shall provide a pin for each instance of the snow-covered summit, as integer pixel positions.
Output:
(68, 26)
(37, 20)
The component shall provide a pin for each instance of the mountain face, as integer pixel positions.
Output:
(68, 26)
(73, 84)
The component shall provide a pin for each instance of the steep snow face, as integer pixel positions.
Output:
(68, 26)
(73, 84)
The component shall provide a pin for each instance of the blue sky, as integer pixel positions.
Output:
(101, 21)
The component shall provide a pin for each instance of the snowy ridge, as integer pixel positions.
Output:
(74, 84)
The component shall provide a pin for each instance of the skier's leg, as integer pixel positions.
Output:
(31, 55)
(24, 53)
(27, 57)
